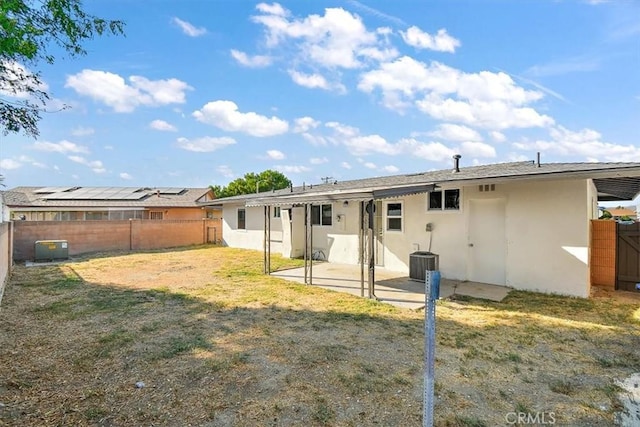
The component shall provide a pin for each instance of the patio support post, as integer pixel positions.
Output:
(306, 244)
(361, 247)
(268, 239)
(372, 248)
(264, 242)
(311, 245)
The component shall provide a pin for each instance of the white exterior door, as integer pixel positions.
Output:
(487, 241)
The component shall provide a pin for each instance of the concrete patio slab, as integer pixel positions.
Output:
(390, 287)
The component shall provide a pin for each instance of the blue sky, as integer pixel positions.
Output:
(202, 92)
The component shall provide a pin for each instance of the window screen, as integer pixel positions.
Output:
(242, 225)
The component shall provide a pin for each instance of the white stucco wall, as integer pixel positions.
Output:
(548, 236)
(253, 236)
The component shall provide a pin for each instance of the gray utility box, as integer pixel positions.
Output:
(420, 262)
(47, 250)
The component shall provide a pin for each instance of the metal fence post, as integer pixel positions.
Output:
(432, 292)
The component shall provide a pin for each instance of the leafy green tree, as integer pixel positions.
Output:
(253, 183)
(29, 31)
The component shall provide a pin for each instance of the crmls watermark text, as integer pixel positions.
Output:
(537, 418)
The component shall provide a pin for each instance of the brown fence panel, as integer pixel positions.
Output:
(602, 261)
(628, 256)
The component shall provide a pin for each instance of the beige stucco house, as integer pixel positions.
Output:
(494, 223)
(107, 203)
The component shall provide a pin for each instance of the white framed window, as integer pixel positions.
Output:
(276, 212)
(444, 200)
(156, 215)
(322, 215)
(242, 219)
(393, 211)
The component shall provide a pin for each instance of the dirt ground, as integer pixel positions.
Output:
(200, 337)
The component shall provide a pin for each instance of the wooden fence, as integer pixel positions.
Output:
(603, 254)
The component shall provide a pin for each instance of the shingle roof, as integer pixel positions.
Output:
(605, 173)
(28, 197)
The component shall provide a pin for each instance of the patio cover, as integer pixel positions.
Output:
(339, 196)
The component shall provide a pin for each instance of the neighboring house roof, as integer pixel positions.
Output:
(614, 181)
(105, 197)
(619, 212)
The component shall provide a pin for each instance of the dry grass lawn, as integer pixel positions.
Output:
(216, 343)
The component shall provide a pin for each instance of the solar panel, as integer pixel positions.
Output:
(46, 190)
(170, 190)
(133, 196)
(104, 193)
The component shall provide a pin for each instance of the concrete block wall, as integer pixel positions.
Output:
(602, 260)
(102, 236)
(6, 256)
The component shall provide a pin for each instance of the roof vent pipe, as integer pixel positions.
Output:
(538, 159)
(291, 187)
(456, 163)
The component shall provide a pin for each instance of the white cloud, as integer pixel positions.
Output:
(309, 80)
(477, 149)
(126, 176)
(275, 155)
(441, 42)
(314, 139)
(370, 165)
(60, 147)
(361, 145)
(255, 61)
(401, 80)
(9, 164)
(304, 124)
(161, 125)
(433, 151)
(342, 130)
(188, 28)
(485, 99)
(490, 115)
(497, 136)
(338, 39)
(205, 144)
(315, 81)
(225, 171)
(318, 160)
(112, 90)
(225, 115)
(292, 169)
(586, 143)
(272, 9)
(345, 165)
(95, 165)
(32, 162)
(390, 169)
(451, 132)
(82, 131)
